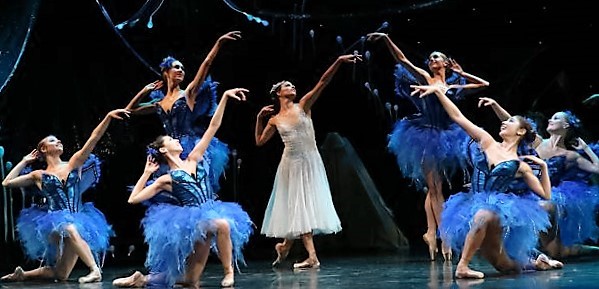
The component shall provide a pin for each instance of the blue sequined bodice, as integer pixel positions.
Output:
(430, 111)
(66, 194)
(191, 190)
(562, 170)
(61, 194)
(495, 179)
(180, 120)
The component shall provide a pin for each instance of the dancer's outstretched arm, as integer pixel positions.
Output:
(308, 100)
(198, 151)
(477, 133)
(192, 88)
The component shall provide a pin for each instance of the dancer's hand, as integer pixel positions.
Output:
(485, 101)
(266, 111)
(153, 86)
(32, 156)
(350, 58)
(424, 90)
(118, 112)
(236, 93)
(453, 65)
(233, 35)
(151, 165)
(534, 159)
(580, 144)
(374, 36)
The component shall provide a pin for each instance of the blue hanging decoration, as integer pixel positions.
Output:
(249, 17)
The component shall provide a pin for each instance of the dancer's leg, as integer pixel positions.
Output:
(82, 249)
(312, 261)
(473, 242)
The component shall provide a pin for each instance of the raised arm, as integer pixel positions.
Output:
(474, 81)
(477, 133)
(140, 192)
(501, 113)
(136, 107)
(192, 88)
(308, 100)
(263, 132)
(81, 155)
(398, 55)
(590, 165)
(542, 186)
(13, 180)
(198, 150)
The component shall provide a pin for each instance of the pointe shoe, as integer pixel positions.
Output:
(543, 262)
(18, 275)
(136, 281)
(94, 276)
(468, 274)
(307, 264)
(432, 246)
(281, 254)
(228, 281)
(447, 253)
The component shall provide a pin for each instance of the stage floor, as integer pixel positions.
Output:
(384, 271)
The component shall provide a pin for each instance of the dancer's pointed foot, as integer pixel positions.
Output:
(543, 262)
(307, 264)
(446, 250)
(94, 276)
(17, 275)
(137, 280)
(431, 242)
(463, 272)
(282, 253)
(229, 278)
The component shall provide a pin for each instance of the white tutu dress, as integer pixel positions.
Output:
(300, 201)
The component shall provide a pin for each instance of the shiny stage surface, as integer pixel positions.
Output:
(380, 271)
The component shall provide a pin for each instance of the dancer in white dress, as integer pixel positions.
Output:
(300, 204)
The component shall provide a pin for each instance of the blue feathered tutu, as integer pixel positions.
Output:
(521, 218)
(577, 205)
(428, 140)
(419, 148)
(171, 232)
(36, 225)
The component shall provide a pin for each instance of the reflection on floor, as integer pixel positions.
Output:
(387, 271)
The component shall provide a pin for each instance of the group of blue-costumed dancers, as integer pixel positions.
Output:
(529, 201)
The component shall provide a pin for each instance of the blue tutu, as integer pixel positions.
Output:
(418, 147)
(521, 218)
(171, 232)
(428, 140)
(576, 204)
(63, 207)
(35, 226)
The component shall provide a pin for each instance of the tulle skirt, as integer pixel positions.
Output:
(300, 201)
(522, 219)
(37, 228)
(418, 147)
(172, 231)
(576, 208)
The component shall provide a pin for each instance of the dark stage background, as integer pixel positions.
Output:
(75, 67)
